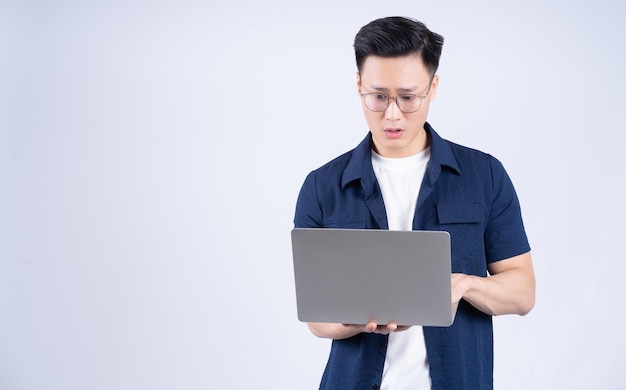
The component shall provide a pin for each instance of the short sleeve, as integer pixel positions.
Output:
(308, 209)
(505, 236)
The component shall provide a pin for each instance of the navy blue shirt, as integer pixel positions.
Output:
(464, 192)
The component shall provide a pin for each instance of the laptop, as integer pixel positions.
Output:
(352, 276)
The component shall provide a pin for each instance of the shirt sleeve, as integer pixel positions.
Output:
(505, 236)
(308, 208)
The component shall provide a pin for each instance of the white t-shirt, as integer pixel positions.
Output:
(406, 363)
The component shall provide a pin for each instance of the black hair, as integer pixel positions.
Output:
(397, 37)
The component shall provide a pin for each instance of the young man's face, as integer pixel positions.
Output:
(396, 133)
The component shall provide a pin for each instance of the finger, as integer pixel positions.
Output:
(371, 326)
(392, 326)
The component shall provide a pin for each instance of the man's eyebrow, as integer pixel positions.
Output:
(404, 90)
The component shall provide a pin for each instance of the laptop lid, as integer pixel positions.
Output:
(352, 276)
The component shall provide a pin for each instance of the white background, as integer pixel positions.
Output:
(151, 153)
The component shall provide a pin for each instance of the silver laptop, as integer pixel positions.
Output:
(352, 276)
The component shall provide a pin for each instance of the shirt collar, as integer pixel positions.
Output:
(360, 164)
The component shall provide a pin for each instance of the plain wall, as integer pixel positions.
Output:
(151, 154)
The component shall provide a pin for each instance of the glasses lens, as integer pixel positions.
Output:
(376, 101)
(409, 103)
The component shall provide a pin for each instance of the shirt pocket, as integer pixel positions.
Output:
(465, 221)
(460, 212)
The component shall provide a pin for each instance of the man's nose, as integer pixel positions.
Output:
(393, 111)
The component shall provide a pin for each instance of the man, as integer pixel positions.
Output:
(404, 176)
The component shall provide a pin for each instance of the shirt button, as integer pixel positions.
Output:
(383, 345)
(375, 386)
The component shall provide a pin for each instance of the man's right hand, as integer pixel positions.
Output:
(343, 331)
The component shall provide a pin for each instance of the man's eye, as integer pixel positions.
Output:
(407, 98)
(380, 96)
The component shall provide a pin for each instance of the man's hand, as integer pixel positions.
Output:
(373, 327)
(342, 331)
(461, 283)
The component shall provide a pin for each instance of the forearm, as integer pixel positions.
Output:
(500, 294)
(333, 331)
(509, 290)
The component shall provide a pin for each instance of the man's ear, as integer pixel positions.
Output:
(358, 81)
(433, 88)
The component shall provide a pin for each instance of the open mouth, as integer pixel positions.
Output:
(393, 133)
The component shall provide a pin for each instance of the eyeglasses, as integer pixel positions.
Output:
(378, 102)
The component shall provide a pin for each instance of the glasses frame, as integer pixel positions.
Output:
(395, 98)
